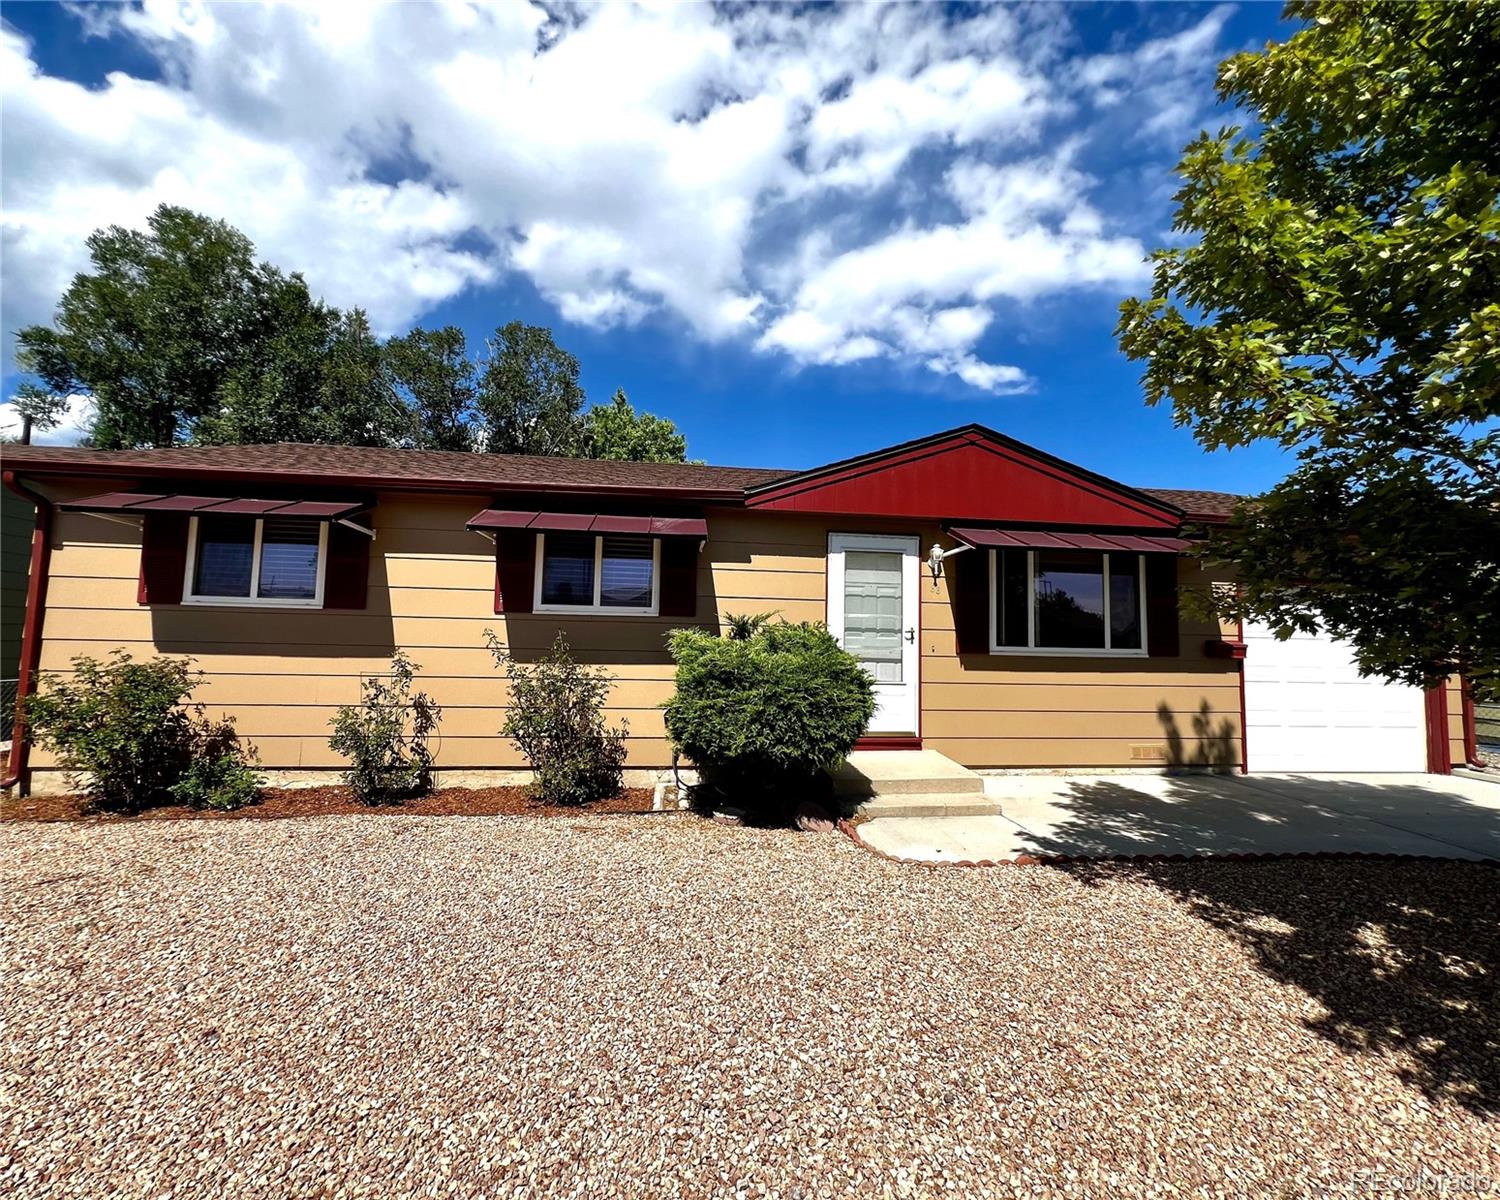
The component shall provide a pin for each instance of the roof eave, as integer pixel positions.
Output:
(42, 470)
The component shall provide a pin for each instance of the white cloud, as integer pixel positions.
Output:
(1152, 76)
(69, 431)
(834, 184)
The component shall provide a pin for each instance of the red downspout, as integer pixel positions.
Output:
(1244, 710)
(1471, 732)
(31, 630)
(1439, 756)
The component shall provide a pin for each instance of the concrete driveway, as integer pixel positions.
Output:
(1106, 815)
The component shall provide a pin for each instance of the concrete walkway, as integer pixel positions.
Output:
(1106, 815)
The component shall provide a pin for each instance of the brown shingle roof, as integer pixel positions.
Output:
(447, 470)
(435, 469)
(1197, 503)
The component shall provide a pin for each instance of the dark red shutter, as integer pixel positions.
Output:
(679, 577)
(164, 538)
(969, 584)
(346, 582)
(1162, 640)
(515, 570)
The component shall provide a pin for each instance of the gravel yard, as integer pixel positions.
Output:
(659, 1006)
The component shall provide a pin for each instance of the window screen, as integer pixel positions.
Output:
(226, 551)
(288, 559)
(568, 569)
(625, 571)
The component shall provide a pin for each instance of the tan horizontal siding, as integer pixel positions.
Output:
(453, 753)
(1075, 753)
(282, 673)
(1457, 744)
(1132, 726)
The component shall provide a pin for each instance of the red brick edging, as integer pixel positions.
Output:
(850, 830)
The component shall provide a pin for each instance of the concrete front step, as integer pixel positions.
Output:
(904, 773)
(931, 804)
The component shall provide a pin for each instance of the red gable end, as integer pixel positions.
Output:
(970, 474)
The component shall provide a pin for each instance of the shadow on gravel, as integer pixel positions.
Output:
(1404, 955)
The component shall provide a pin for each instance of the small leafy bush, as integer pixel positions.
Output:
(385, 737)
(763, 717)
(128, 736)
(222, 774)
(556, 716)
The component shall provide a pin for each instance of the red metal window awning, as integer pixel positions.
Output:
(129, 503)
(1040, 539)
(543, 522)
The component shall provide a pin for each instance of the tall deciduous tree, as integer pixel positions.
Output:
(529, 398)
(179, 334)
(432, 367)
(616, 431)
(1340, 296)
(152, 331)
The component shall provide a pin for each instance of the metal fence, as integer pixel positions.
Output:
(1487, 724)
(7, 707)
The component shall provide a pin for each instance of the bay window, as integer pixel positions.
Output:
(270, 561)
(616, 573)
(1073, 602)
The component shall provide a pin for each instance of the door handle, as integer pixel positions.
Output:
(911, 634)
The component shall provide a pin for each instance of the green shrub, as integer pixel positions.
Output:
(741, 627)
(556, 716)
(763, 717)
(127, 735)
(385, 737)
(222, 774)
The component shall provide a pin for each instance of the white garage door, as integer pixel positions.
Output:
(1308, 709)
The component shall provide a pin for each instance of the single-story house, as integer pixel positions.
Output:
(1016, 610)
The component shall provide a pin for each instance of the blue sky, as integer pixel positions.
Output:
(799, 233)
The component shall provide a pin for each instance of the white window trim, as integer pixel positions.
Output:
(1031, 649)
(596, 609)
(252, 600)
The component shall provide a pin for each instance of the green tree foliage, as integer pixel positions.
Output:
(616, 431)
(1339, 295)
(556, 717)
(130, 739)
(529, 397)
(153, 330)
(180, 335)
(433, 369)
(386, 737)
(763, 714)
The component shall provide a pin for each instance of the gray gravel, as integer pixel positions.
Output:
(660, 1007)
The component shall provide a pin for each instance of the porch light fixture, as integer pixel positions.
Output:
(935, 558)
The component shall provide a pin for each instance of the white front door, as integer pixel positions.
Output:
(872, 611)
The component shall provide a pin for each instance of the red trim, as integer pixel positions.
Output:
(890, 743)
(1222, 648)
(1239, 666)
(903, 481)
(1439, 755)
(1471, 731)
(31, 628)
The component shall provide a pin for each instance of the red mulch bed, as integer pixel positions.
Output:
(331, 802)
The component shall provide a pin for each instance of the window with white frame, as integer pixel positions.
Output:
(271, 561)
(1067, 602)
(616, 573)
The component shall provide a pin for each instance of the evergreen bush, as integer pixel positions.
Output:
(764, 716)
